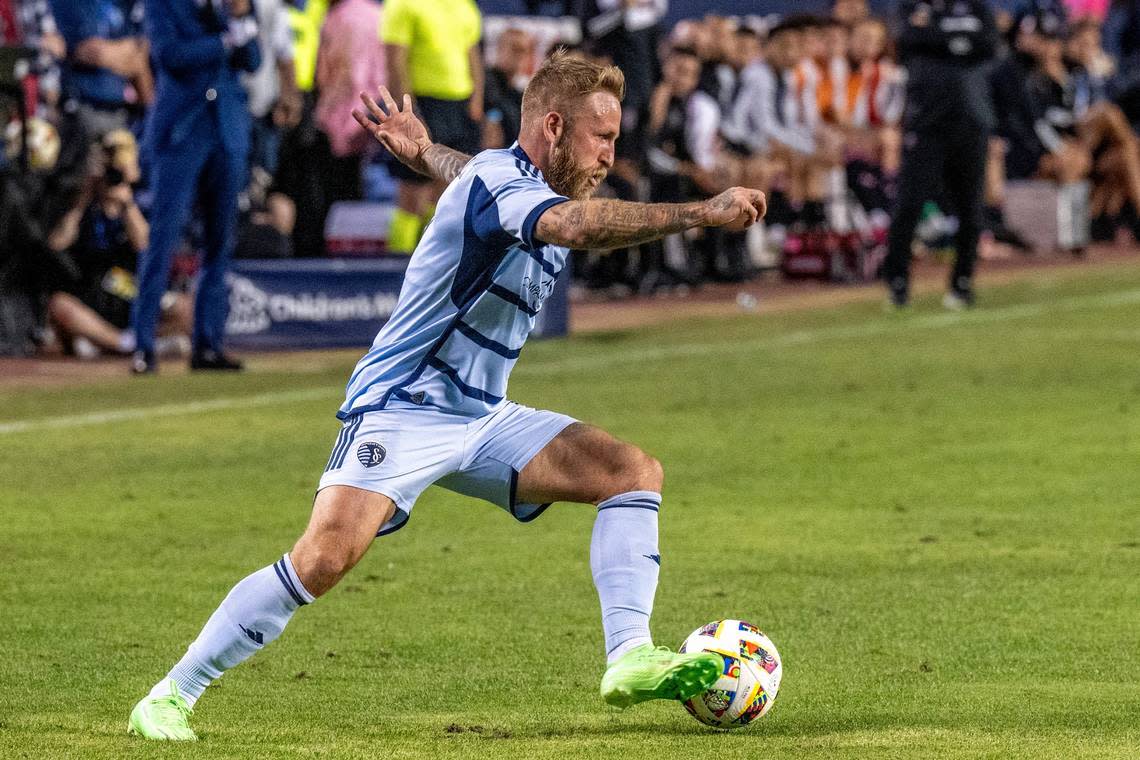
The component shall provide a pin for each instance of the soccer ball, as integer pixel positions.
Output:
(749, 681)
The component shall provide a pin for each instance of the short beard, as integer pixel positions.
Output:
(564, 174)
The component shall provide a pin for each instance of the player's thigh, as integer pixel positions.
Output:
(344, 522)
(586, 464)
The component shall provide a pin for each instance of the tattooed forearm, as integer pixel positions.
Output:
(442, 163)
(600, 224)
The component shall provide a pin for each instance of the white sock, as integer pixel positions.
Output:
(253, 614)
(625, 561)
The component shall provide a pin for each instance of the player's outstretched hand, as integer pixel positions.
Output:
(735, 209)
(404, 135)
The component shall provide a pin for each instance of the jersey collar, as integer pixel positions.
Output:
(519, 153)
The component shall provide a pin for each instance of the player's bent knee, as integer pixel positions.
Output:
(323, 556)
(633, 470)
(652, 474)
(320, 565)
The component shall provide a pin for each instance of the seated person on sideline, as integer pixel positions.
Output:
(682, 160)
(1083, 138)
(103, 234)
(777, 123)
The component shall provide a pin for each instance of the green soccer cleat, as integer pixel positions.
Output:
(163, 718)
(650, 672)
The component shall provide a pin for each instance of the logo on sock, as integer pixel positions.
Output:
(370, 454)
(655, 557)
(256, 636)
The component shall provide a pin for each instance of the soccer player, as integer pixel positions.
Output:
(427, 403)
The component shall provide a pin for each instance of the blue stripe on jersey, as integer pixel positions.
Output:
(531, 221)
(480, 339)
(464, 279)
(469, 391)
(518, 152)
(510, 297)
(536, 254)
(485, 244)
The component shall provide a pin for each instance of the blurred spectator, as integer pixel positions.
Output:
(714, 40)
(274, 101)
(869, 109)
(627, 32)
(305, 19)
(33, 25)
(682, 162)
(1083, 50)
(506, 80)
(198, 134)
(947, 52)
(850, 12)
(327, 151)
(268, 215)
(103, 234)
(432, 49)
(23, 259)
(31, 201)
(775, 121)
(350, 61)
(872, 95)
(1083, 136)
(106, 73)
(295, 200)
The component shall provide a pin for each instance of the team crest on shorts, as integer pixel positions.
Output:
(370, 454)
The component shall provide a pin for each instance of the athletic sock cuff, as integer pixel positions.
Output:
(291, 581)
(633, 500)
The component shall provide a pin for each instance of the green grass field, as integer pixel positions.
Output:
(935, 516)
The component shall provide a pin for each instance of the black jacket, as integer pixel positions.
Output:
(947, 47)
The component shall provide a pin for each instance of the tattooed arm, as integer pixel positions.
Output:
(440, 162)
(406, 137)
(602, 224)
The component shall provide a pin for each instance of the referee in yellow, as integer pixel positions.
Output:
(432, 50)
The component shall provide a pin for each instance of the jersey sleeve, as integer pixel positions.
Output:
(397, 25)
(508, 199)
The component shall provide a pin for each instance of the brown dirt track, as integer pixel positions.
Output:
(596, 315)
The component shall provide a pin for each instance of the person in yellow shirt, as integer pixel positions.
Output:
(305, 21)
(432, 49)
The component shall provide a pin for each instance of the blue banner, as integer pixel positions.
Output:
(332, 303)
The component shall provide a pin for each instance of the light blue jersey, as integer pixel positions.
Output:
(473, 287)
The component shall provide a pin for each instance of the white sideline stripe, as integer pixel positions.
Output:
(163, 410)
(882, 326)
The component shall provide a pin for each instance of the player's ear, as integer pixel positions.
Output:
(553, 125)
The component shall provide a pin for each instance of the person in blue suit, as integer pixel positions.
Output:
(198, 141)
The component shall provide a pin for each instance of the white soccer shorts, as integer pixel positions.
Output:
(401, 450)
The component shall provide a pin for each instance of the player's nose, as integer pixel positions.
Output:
(606, 157)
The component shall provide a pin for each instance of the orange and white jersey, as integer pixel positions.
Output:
(827, 84)
(872, 96)
(807, 80)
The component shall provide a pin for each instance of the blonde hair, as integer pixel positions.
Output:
(563, 79)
